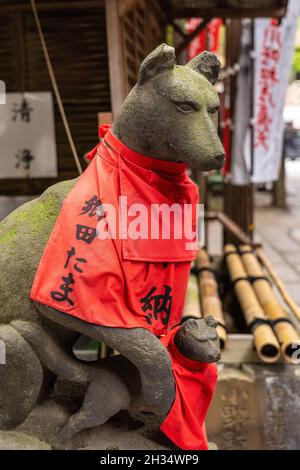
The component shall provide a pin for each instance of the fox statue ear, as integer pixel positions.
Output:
(162, 58)
(207, 64)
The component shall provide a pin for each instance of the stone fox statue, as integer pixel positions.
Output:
(170, 115)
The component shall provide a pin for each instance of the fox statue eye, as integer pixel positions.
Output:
(213, 110)
(186, 107)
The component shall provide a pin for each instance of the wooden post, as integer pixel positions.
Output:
(115, 55)
(239, 206)
(238, 200)
(279, 194)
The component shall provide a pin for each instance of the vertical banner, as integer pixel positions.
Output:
(274, 49)
(27, 135)
(198, 44)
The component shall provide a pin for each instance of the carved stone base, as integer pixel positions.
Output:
(256, 406)
(39, 430)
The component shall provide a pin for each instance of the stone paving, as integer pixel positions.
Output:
(279, 231)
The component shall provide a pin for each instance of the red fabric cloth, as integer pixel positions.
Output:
(195, 384)
(117, 282)
(103, 129)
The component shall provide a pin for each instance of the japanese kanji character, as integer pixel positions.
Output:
(157, 304)
(24, 158)
(93, 207)
(23, 110)
(65, 288)
(71, 253)
(86, 234)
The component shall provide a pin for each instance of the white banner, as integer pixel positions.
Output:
(27, 136)
(274, 49)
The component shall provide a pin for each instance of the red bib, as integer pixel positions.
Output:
(195, 384)
(118, 281)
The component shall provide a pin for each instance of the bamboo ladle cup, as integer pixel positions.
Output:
(209, 295)
(192, 307)
(286, 333)
(265, 341)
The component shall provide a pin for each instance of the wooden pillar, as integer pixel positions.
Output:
(115, 55)
(238, 200)
(238, 205)
(279, 193)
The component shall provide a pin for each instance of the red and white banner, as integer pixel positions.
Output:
(274, 49)
(208, 39)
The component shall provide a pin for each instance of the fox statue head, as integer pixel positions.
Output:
(172, 111)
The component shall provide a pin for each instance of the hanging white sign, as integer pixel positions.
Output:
(27, 136)
(274, 48)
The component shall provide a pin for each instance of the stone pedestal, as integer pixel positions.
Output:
(256, 406)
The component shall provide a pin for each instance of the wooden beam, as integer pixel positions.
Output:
(158, 9)
(227, 12)
(231, 227)
(182, 12)
(235, 230)
(115, 56)
(53, 6)
(125, 6)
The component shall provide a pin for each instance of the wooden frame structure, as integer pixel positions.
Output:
(224, 8)
(96, 47)
(134, 28)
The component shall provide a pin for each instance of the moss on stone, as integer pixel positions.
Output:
(7, 236)
(35, 217)
(44, 210)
